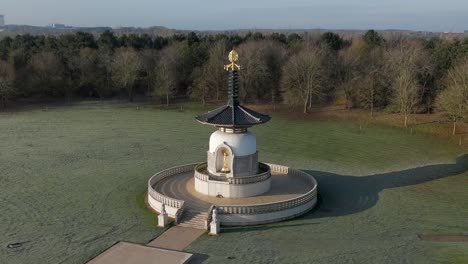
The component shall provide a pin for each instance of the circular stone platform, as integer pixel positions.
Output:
(293, 192)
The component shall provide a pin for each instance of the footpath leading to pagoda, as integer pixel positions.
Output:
(166, 248)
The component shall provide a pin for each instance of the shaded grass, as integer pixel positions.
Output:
(73, 182)
(147, 213)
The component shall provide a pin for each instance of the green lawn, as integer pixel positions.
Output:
(73, 179)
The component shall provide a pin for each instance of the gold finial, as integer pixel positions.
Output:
(233, 58)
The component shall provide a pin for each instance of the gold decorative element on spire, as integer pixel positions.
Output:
(233, 58)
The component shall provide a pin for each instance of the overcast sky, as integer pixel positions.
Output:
(433, 15)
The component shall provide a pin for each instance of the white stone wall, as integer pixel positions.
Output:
(241, 144)
(213, 188)
(254, 219)
(171, 211)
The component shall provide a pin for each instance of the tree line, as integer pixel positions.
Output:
(397, 73)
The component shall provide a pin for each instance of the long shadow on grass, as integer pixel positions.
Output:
(343, 195)
(256, 228)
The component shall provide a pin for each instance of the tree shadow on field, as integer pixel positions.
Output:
(343, 195)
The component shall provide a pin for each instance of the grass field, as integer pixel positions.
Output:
(73, 179)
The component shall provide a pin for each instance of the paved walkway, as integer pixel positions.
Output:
(175, 187)
(166, 248)
(129, 253)
(177, 238)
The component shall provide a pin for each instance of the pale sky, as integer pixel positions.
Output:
(431, 15)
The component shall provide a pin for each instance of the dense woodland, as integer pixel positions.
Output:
(398, 73)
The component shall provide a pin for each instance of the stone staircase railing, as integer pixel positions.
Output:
(209, 217)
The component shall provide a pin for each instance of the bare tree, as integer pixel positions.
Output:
(89, 72)
(254, 79)
(364, 80)
(72, 74)
(148, 58)
(104, 64)
(275, 56)
(403, 65)
(407, 91)
(165, 74)
(47, 74)
(303, 78)
(370, 86)
(211, 77)
(454, 99)
(126, 66)
(7, 77)
(349, 61)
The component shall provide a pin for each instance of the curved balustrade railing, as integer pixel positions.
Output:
(162, 175)
(199, 172)
(202, 174)
(277, 206)
(234, 209)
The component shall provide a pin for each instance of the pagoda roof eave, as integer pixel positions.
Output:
(232, 116)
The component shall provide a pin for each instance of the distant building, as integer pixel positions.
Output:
(58, 26)
(2, 20)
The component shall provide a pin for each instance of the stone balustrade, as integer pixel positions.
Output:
(237, 215)
(201, 173)
(168, 201)
(277, 206)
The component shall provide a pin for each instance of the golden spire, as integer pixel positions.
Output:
(233, 58)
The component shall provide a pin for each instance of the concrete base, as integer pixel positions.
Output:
(293, 193)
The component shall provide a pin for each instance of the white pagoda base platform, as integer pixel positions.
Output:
(291, 193)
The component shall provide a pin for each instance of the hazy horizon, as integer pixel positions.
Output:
(428, 15)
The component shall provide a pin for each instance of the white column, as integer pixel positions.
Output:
(215, 225)
(162, 217)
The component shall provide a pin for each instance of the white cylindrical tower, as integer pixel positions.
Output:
(232, 154)
(242, 144)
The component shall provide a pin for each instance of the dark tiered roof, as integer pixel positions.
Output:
(233, 114)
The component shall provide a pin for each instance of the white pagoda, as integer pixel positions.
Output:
(232, 153)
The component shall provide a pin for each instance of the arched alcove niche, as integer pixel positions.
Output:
(221, 160)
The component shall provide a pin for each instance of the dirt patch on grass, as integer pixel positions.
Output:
(444, 238)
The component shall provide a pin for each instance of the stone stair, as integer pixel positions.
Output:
(193, 219)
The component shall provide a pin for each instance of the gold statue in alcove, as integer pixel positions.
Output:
(225, 168)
